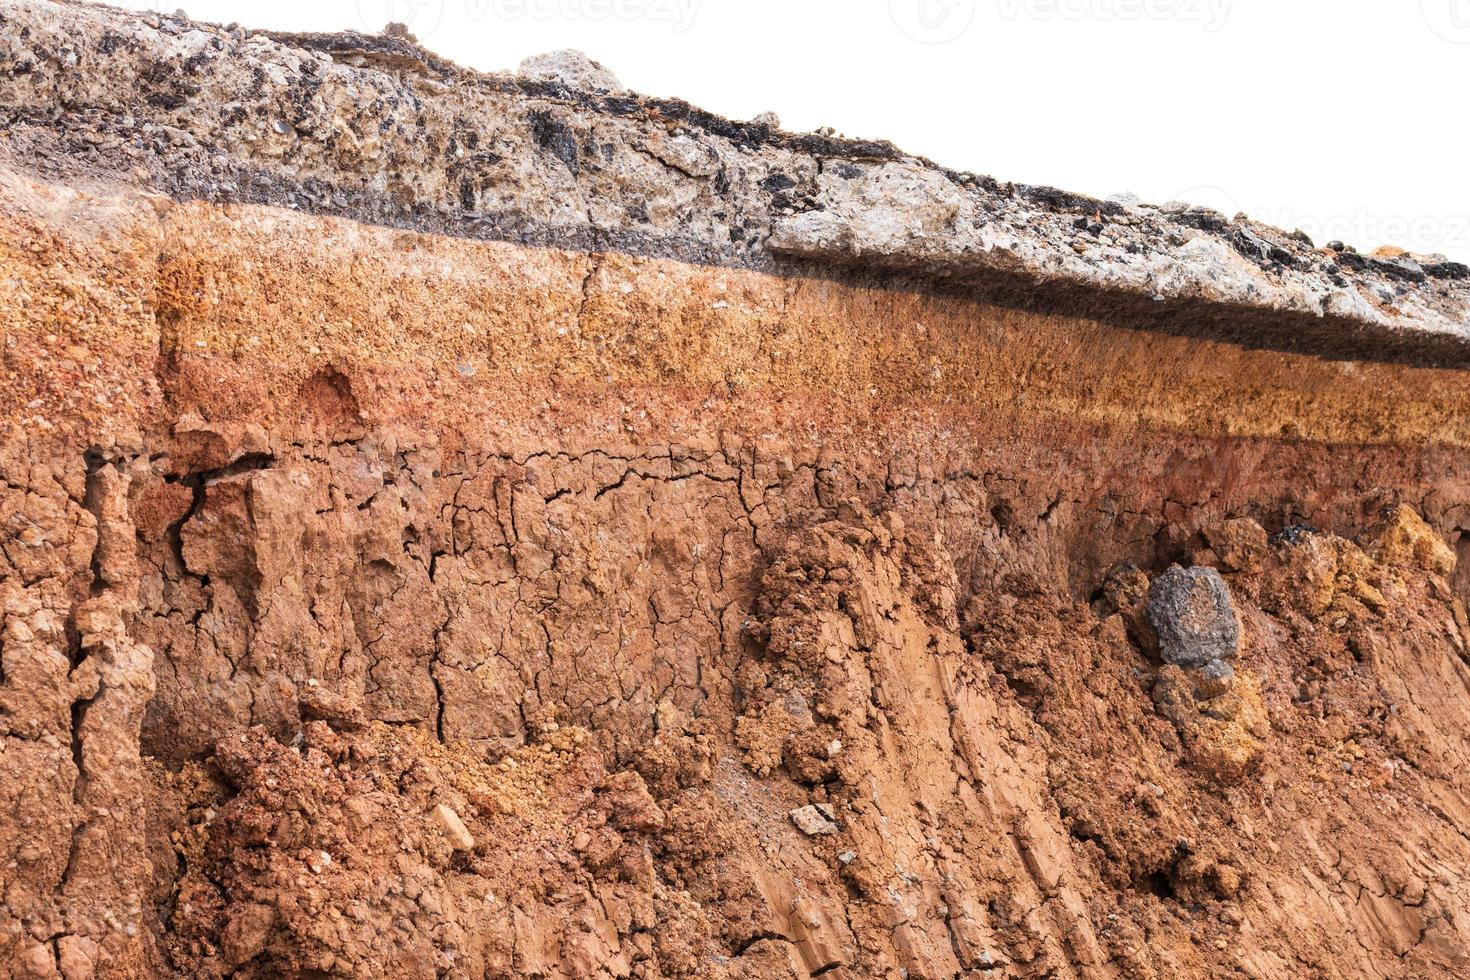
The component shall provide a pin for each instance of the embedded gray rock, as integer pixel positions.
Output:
(1191, 611)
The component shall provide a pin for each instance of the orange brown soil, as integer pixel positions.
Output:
(470, 526)
(384, 604)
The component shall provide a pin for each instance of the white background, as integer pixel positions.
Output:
(1349, 119)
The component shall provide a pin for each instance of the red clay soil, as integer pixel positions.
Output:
(379, 603)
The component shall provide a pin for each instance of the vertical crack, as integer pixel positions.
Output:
(96, 464)
(174, 533)
(79, 711)
(436, 663)
(92, 501)
(592, 269)
(439, 703)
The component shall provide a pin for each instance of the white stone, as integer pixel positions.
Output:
(815, 820)
(572, 69)
(454, 828)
